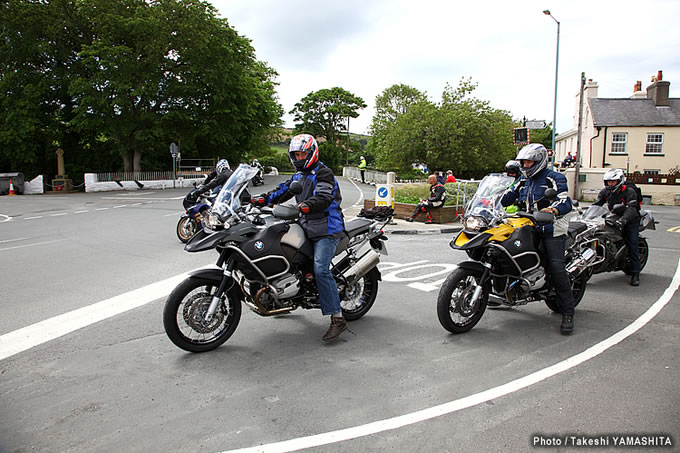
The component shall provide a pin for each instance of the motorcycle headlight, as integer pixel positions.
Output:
(475, 223)
(215, 223)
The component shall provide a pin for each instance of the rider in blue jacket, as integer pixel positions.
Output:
(322, 220)
(528, 194)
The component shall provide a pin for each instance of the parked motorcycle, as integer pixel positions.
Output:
(265, 261)
(611, 249)
(506, 263)
(197, 211)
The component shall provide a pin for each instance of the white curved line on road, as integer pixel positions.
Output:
(6, 218)
(23, 246)
(471, 400)
(361, 195)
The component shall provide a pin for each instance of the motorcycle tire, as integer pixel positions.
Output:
(183, 318)
(644, 255)
(453, 315)
(186, 229)
(578, 289)
(356, 301)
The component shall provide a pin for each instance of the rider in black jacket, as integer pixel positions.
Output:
(437, 197)
(616, 192)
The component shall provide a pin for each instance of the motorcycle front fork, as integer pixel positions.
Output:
(480, 286)
(217, 297)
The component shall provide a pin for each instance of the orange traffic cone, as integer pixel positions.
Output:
(11, 188)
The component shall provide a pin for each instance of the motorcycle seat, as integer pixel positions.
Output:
(576, 228)
(357, 226)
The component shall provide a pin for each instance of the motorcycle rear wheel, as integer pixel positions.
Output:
(454, 313)
(184, 320)
(578, 289)
(360, 298)
(186, 229)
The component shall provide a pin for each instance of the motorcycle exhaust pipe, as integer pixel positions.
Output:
(363, 266)
(587, 257)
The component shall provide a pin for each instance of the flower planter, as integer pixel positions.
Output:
(445, 214)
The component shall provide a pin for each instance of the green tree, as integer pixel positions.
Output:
(460, 133)
(324, 113)
(126, 78)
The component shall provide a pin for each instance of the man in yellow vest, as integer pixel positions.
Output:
(362, 168)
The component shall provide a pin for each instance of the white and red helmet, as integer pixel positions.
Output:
(307, 143)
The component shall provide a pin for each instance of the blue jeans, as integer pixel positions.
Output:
(324, 250)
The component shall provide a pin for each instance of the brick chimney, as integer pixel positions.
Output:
(638, 86)
(658, 90)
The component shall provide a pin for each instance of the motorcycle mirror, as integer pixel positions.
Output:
(550, 194)
(295, 187)
(619, 209)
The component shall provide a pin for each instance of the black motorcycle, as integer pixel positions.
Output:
(612, 251)
(266, 261)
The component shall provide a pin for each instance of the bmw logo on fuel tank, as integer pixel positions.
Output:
(259, 245)
(518, 244)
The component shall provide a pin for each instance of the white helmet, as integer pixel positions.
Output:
(222, 167)
(534, 152)
(617, 175)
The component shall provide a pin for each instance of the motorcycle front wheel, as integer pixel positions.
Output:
(454, 308)
(186, 228)
(184, 315)
(358, 299)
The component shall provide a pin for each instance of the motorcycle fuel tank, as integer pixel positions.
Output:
(295, 236)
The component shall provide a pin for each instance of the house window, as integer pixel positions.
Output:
(652, 172)
(654, 144)
(619, 140)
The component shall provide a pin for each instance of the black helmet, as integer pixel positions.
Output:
(513, 168)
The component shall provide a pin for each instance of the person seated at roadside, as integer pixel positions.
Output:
(436, 200)
(450, 177)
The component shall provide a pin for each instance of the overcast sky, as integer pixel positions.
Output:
(507, 47)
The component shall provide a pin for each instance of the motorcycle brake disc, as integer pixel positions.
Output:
(194, 313)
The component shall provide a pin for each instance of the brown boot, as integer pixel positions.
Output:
(338, 325)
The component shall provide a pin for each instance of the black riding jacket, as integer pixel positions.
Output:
(625, 196)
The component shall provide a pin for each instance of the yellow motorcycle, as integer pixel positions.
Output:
(506, 266)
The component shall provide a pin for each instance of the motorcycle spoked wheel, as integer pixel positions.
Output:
(186, 229)
(644, 255)
(358, 299)
(184, 315)
(453, 309)
(578, 289)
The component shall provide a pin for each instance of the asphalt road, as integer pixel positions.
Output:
(118, 383)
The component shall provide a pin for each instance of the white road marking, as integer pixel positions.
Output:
(80, 212)
(30, 245)
(477, 398)
(426, 286)
(120, 206)
(4, 218)
(13, 240)
(58, 214)
(101, 209)
(143, 198)
(174, 213)
(33, 218)
(360, 201)
(28, 337)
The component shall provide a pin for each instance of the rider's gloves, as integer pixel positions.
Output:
(303, 207)
(618, 224)
(194, 194)
(259, 200)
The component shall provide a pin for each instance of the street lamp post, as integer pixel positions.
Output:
(557, 62)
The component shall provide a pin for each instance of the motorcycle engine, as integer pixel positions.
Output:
(520, 288)
(286, 286)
